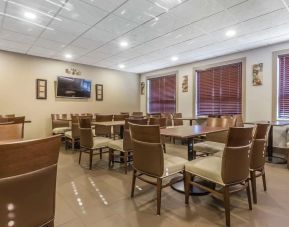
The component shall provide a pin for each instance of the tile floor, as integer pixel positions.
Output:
(101, 198)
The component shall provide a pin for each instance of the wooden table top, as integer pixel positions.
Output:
(109, 123)
(190, 131)
(274, 123)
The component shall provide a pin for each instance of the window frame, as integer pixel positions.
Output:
(218, 64)
(169, 73)
(275, 84)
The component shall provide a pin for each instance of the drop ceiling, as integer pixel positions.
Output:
(158, 33)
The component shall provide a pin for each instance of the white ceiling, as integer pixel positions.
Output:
(156, 30)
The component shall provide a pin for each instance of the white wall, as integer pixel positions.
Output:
(17, 90)
(258, 98)
(258, 105)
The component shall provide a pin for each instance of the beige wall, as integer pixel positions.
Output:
(17, 90)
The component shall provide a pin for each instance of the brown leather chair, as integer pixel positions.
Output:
(11, 131)
(258, 155)
(116, 128)
(88, 143)
(103, 130)
(150, 160)
(124, 146)
(28, 182)
(59, 124)
(230, 170)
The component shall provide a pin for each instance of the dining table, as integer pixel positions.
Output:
(188, 133)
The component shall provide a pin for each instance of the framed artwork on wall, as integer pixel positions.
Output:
(142, 88)
(99, 92)
(185, 84)
(258, 74)
(41, 89)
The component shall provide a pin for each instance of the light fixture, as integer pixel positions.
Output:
(30, 16)
(123, 43)
(68, 56)
(121, 66)
(230, 33)
(174, 58)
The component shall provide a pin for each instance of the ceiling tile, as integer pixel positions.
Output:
(41, 52)
(99, 35)
(166, 4)
(16, 37)
(87, 43)
(139, 11)
(49, 44)
(13, 46)
(108, 5)
(58, 36)
(83, 12)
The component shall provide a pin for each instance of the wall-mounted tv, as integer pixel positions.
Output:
(73, 87)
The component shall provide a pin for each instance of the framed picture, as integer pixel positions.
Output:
(99, 92)
(142, 88)
(185, 84)
(258, 74)
(41, 89)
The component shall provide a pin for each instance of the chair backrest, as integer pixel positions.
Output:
(232, 120)
(85, 121)
(162, 122)
(220, 137)
(9, 115)
(120, 117)
(58, 116)
(57, 122)
(11, 131)
(258, 152)
(28, 181)
(5, 120)
(138, 121)
(236, 156)
(75, 133)
(239, 120)
(147, 148)
(137, 114)
(216, 122)
(86, 135)
(103, 117)
(178, 122)
(19, 119)
(169, 117)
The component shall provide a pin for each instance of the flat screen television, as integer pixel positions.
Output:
(73, 87)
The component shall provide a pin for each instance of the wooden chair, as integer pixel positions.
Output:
(258, 157)
(103, 130)
(178, 122)
(28, 182)
(124, 146)
(137, 114)
(59, 124)
(230, 170)
(88, 143)
(11, 131)
(150, 160)
(72, 137)
(169, 117)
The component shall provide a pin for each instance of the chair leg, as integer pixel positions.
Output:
(164, 148)
(90, 159)
(264, 180)
(72, 144)
(253, 183)
(249, 194)
(125, 162)
(227, 205)
(80, 153)
(100, 153)
(187, 186)
(159, 195)
(133, 183)
(110, 157)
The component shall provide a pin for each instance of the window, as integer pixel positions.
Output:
(161, 94)
(219, 90)
(283, 87)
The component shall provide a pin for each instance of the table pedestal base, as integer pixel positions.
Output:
(179, 186)
(276, 160)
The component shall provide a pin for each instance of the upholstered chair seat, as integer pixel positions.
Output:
(68, 134)
(173, 164)
(209, 147)
(208, 168)
(60, 130)
(115, 145)
(100, 142)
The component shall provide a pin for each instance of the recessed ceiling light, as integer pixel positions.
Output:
(123, 43)
(30, 16)
(68, 56)
(121, 66)
(174, 58)
(231, 33)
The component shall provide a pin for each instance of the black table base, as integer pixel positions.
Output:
(276, 160)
